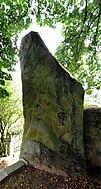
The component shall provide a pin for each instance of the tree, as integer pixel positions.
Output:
(14, 18)
(11, 119)
(79, 51)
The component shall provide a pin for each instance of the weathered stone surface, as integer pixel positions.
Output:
(53, 110)
(92, 135)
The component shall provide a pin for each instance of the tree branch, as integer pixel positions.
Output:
(97, 28)
(26, 11)
(92, 22)
(85, 17)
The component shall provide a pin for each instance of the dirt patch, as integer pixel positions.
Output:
(31, 178)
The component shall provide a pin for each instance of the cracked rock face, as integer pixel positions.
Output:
(53, 111)
(92, 135)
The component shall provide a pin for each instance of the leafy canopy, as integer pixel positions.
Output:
(80, 49)
(14, 18)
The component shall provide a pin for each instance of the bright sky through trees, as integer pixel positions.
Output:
(51, 37)
(79, 51)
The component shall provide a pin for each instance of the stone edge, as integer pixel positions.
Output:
(6, 172)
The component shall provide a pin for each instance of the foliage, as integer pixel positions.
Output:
(14, 18)
(11, 118)
(79, 51)
(88, 103)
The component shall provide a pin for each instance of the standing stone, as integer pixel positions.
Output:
(53, 111)
(92, 136)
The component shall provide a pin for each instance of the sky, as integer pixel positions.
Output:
(51, 37)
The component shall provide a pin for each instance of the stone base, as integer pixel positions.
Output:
(45, 159)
